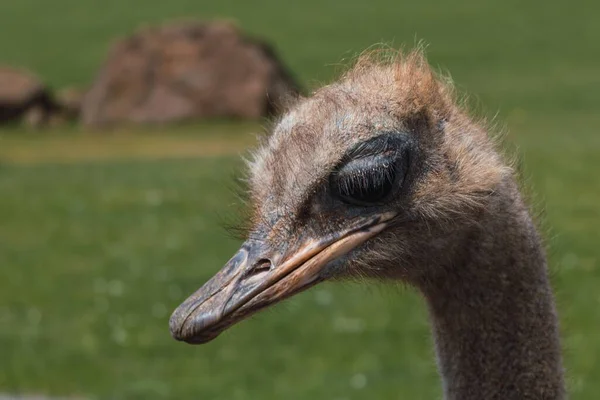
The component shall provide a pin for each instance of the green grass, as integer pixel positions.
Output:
(71, 144)
(95, 254)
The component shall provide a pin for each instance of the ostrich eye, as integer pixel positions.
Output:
(370, 172)
(364, 184)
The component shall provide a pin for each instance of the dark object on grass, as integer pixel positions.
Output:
(187, 71)
(383, 175)
(24, 98)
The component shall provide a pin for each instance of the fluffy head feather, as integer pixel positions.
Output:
(457, 168)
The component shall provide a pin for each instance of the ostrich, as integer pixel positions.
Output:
(384, 175)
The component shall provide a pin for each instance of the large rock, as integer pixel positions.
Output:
(187, 71)
(23, 97)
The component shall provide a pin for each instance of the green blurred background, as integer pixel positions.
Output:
(101, 236)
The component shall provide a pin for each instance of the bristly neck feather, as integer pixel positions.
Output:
(493, 313)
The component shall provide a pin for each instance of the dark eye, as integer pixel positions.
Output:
(372, 170)
(365, 182)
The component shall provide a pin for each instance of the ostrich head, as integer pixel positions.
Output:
(381, 174)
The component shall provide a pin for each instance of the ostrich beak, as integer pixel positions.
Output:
(252, 280)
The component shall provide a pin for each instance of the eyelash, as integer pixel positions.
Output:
(365, 182)
(362, 181)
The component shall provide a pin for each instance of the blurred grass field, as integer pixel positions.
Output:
(102, 235)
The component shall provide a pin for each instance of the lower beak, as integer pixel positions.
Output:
(251, 281)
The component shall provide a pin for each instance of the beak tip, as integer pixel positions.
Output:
(184, 327)
(175, 325)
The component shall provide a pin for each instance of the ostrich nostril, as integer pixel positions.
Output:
(261, 266)
(264, 264)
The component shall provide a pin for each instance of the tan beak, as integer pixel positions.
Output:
(251, 281)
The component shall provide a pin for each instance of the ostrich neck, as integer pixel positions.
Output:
(493, 314)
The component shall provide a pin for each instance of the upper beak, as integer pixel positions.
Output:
(256, 277)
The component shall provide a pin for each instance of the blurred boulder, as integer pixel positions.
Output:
(187, 71)
(24, 98)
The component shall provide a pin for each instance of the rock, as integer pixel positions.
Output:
(23, 96)
(187, 71)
